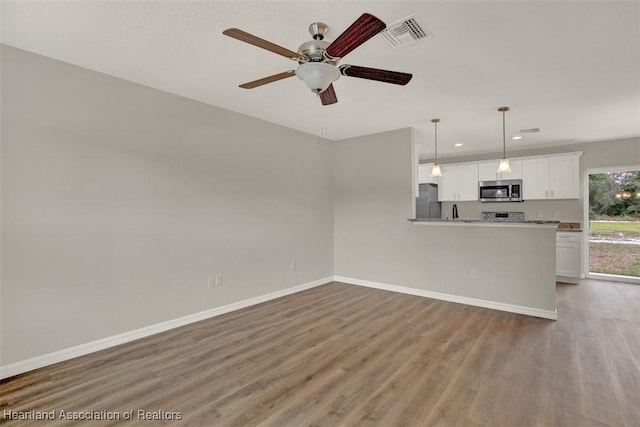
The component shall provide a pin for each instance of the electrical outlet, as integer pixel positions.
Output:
(210, 281)
(473, 274)
(292, 266)
(217, 280)
(540, 214)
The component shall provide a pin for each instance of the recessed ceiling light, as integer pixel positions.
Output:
(516, 137)
(458, 144)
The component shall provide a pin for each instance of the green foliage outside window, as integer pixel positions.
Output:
(614, 195)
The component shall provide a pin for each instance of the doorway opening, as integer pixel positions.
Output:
(612, 219)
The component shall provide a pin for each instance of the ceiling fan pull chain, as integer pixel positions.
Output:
(317, 107)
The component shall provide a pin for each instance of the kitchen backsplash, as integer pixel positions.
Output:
(561, 210)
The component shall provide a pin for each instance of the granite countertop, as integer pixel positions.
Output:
(561, 226)
(482, 221)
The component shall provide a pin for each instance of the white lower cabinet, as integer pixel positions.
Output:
(568, 256)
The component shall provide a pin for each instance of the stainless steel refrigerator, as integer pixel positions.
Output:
(427, 204)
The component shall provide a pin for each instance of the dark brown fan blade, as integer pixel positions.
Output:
(359, 32)
(328, 96)
(394, 77)
(268, 79)
(264, 44)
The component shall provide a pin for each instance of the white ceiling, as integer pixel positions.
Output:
(571, 68)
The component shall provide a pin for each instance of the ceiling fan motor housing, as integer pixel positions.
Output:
(318, 72)
(313, 50)
(318, 30)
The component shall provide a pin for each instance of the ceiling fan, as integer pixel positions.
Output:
(318, 59)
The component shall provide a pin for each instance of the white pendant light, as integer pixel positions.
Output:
(436, 167)
(504, 162)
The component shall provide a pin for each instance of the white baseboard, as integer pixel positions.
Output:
(614, 278)
(101, 344)
(519, 309)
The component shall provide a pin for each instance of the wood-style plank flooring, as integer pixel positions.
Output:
(347, 355)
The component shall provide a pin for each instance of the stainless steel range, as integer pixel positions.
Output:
(502, 216)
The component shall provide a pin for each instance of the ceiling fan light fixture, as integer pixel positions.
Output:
(317, 75)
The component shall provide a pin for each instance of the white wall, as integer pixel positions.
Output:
(375, 242)
(118, 201)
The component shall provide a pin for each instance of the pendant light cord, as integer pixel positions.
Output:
(504, 137)
(504, 132)
(435, 123)
(436, 140)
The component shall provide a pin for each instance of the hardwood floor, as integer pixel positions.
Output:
(347, 355)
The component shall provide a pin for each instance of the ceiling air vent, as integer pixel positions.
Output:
(406, 32)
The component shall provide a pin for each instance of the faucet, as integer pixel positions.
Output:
(454, 214)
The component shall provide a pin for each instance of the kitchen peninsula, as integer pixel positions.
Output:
(504, 265)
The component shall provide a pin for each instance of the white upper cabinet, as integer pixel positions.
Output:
(564, 177)
(458, 182)
(535, 178)
(543, 177)
(554, 177)
(448, 185)
(468, 182)
(488, 170)
(424, 174)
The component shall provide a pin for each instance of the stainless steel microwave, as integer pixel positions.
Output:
(505, 190)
